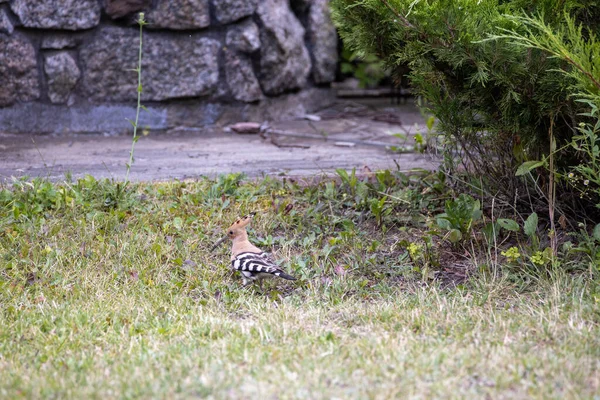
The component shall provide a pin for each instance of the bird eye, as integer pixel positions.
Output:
(231, 232)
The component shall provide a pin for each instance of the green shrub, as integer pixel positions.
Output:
(580, 50)
(499, 102)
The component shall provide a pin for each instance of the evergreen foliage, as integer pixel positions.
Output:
(503, 78)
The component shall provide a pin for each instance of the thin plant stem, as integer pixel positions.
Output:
(141, 23)
(552, 191)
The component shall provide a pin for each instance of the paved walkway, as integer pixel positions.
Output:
(348, 135)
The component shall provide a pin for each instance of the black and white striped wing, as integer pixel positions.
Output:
(257, 265)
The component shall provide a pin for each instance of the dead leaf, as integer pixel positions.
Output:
(562, 221)
(288, 208)
(133, 274)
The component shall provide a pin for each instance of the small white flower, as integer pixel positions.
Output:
(586, 182)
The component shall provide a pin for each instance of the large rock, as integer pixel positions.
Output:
(285, 62)
(121, 8)
(243, 37)
(18, 70)
(323, 42)
(62, 74)
(241, 79)
(5, 25)
(228, 11)
(64, 14)
(179, 14)
(173, 66)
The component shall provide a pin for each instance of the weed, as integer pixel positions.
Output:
(459, 216)
(141, 22)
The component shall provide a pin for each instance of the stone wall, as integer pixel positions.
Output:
(66, 65)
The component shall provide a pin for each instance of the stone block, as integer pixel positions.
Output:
(6, 25)
(120, 8)
(285, 62)
(323, 42)
(174, 66)
(18, 70)
(243, 37)
(241, 79)
(65, 14)
(62, 75)
(227, 11)
(179, 14)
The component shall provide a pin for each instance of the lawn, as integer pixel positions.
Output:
(109, 292)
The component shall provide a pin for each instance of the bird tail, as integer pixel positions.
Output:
(285, 276)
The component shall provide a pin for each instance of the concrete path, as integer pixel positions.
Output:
(348, 135)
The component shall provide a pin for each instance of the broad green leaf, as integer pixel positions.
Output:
(508, 224)
(430, 122)
(343, 174)
(454, 236)
(528, 166)
(531, 224)
(443, 222)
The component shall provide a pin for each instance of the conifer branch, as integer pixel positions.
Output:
(402, 18)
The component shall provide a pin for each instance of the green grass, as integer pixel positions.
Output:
(107, 292)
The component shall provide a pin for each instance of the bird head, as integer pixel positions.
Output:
(237, 229)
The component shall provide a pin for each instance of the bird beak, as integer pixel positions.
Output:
(220, 242)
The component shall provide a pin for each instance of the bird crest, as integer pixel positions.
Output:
(240, 224)
(238, 228)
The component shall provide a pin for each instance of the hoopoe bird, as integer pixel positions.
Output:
(252, 262)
